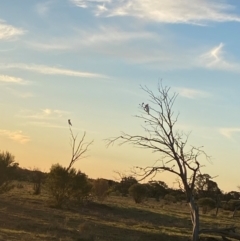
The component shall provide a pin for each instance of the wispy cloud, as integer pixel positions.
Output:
(165, 11)
(52, 45)
(191, 93)
(47, 118)
(9, 32)
(43, 114)
(20, 94)
(229, 132)
(47, 124)
(90, 3)
(43, 69)
(12, 79)
(216, 58)
(43, 8)
(51, 118)
(113, 34)
(132, 45)
(103, 35)
(17, 136)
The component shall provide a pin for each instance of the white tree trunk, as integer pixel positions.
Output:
(195, 219)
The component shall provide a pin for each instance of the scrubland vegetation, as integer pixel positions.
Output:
(65, 204)
(105, 210)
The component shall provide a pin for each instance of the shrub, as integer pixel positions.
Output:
(100, 188)
(170, 198)
(64, 184)
(231, 205)
(37, 179)
(138, 192)
(206, 203)
(125, 184)
(157, 189)
(7, 171)
(80, 187)
(57, 184)
(19, 186)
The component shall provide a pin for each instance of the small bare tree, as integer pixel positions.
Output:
(66, 183)
(161, 136)
(79, 149)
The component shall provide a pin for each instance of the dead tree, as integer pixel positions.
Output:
(162, 137)
(79, 149)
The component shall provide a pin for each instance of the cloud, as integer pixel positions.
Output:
(49, 118)
(191, 93)
(47, 124)
(93, 37)
(54, 45)
(11, 79)
(216, 58)
(229, 132)
(20, 94)
(8, 31)
(43, 8)
(90, 3)
(60, 126)
(42, 69)
(213, 57)
(166, 11)
(113, 35)
(43, 114)
(17, 136)
(130, 44)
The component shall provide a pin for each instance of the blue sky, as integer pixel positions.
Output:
(84, 60)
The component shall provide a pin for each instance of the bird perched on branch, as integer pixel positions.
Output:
(69, 122)
(145, 107)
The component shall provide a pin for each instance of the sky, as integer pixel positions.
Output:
(85, 60)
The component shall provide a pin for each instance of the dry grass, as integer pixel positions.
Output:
(24, 216)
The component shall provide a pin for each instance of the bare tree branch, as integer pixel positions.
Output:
(78, 149)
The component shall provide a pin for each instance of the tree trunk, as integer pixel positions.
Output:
(195, 219)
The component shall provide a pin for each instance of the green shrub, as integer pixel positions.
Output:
(157, 189)
(231, 204)
(100, 188)
(19, 186)
(206, 203)
(8, 167)
(80, 187)
(170, 198)
(64, 184)
(125, 184)
(37, 179)
(138, 192)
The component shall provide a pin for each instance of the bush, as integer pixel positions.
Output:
(125, 184)
(138, 192)
(100, 188)
(170, 198)
(157, 189)
(231, 205)
(206, 203)
(80, 187)
(64, 185)
(8, 167)
(37, 179)
(19, 186)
